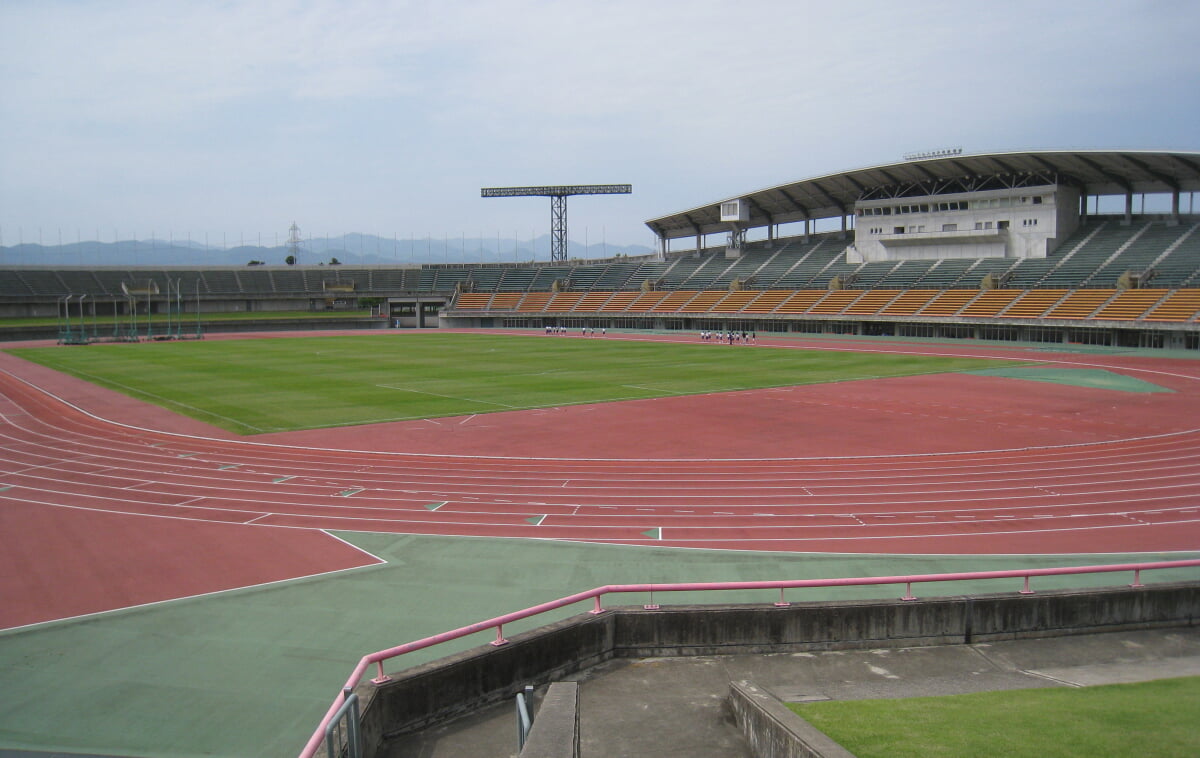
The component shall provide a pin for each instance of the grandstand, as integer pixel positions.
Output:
(1007, 246)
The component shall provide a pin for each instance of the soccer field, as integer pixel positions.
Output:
(255, 386)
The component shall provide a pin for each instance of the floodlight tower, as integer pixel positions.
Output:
(558, 206)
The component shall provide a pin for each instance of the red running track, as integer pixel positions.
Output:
(1138, 474)
(937, 464)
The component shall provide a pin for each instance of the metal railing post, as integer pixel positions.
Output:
(651, 606)
(381, 677)
(499, 637)
(524, 718)
(349, 708)
(781, 603)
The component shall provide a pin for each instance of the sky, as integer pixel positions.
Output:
(123, 118)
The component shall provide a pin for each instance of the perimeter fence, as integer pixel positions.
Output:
(342, 702)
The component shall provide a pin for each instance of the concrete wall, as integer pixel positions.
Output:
(555, 732)
(773, 730)
(425, 695)
(463, 683)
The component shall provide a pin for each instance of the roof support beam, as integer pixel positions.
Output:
(889, 177)
(966, 172)
(1117, 180)
(1164, 178)
(858, 186)
(799, 205)
(1190, 164)
(921, 168)
(829, 198)
(1003, 166)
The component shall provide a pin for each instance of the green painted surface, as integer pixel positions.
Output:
(1075, 377)
(250, 672)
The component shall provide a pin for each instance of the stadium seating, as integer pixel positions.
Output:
(699, 303)
(1080, 304)
(871, 302)
(645, 302)
(1130, 304)
(801, 301)
(561, 302)
(948, 302)
(620, 301)
(472, 301)
(947, 273)
(767, 301)
(674, 301)
(909, 302)
(516, 279)
(545, 277)
(1139, 274)
(1033, 303)
(535, 302)
(505, 301)
(734, 302)
(1182, 305)
(592, 301)
(906, 274)
(991, 303)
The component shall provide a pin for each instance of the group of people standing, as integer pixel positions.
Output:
(744, 338)
(588, 331)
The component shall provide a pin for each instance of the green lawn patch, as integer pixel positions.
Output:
(1148, 719)
(256, 386)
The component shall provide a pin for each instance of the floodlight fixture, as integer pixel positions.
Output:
(926, 154)
(558, 206)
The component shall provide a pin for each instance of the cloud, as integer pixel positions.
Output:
(365, 107)
(114, 61)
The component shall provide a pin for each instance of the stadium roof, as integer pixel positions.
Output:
(1092, 172)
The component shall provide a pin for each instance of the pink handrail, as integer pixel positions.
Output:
(595, 594)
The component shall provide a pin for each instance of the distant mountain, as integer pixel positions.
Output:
(349, 249)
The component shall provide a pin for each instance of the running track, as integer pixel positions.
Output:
(1012, 467)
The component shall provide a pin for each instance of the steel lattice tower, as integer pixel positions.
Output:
(293, 242)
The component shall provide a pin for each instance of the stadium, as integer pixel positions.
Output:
(1027, 324)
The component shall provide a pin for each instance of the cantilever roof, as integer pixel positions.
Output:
(1093, 172)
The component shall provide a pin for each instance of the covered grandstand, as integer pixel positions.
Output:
(1009, 246)
(1039, 246)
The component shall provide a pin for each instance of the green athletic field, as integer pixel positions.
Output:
(271, 385)
(1147, 719)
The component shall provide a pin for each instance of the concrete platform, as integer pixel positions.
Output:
(677, 706)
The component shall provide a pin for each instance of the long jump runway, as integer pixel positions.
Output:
(948, 464)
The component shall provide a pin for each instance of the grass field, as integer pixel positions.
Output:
(269, 385)
(1149, 719)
